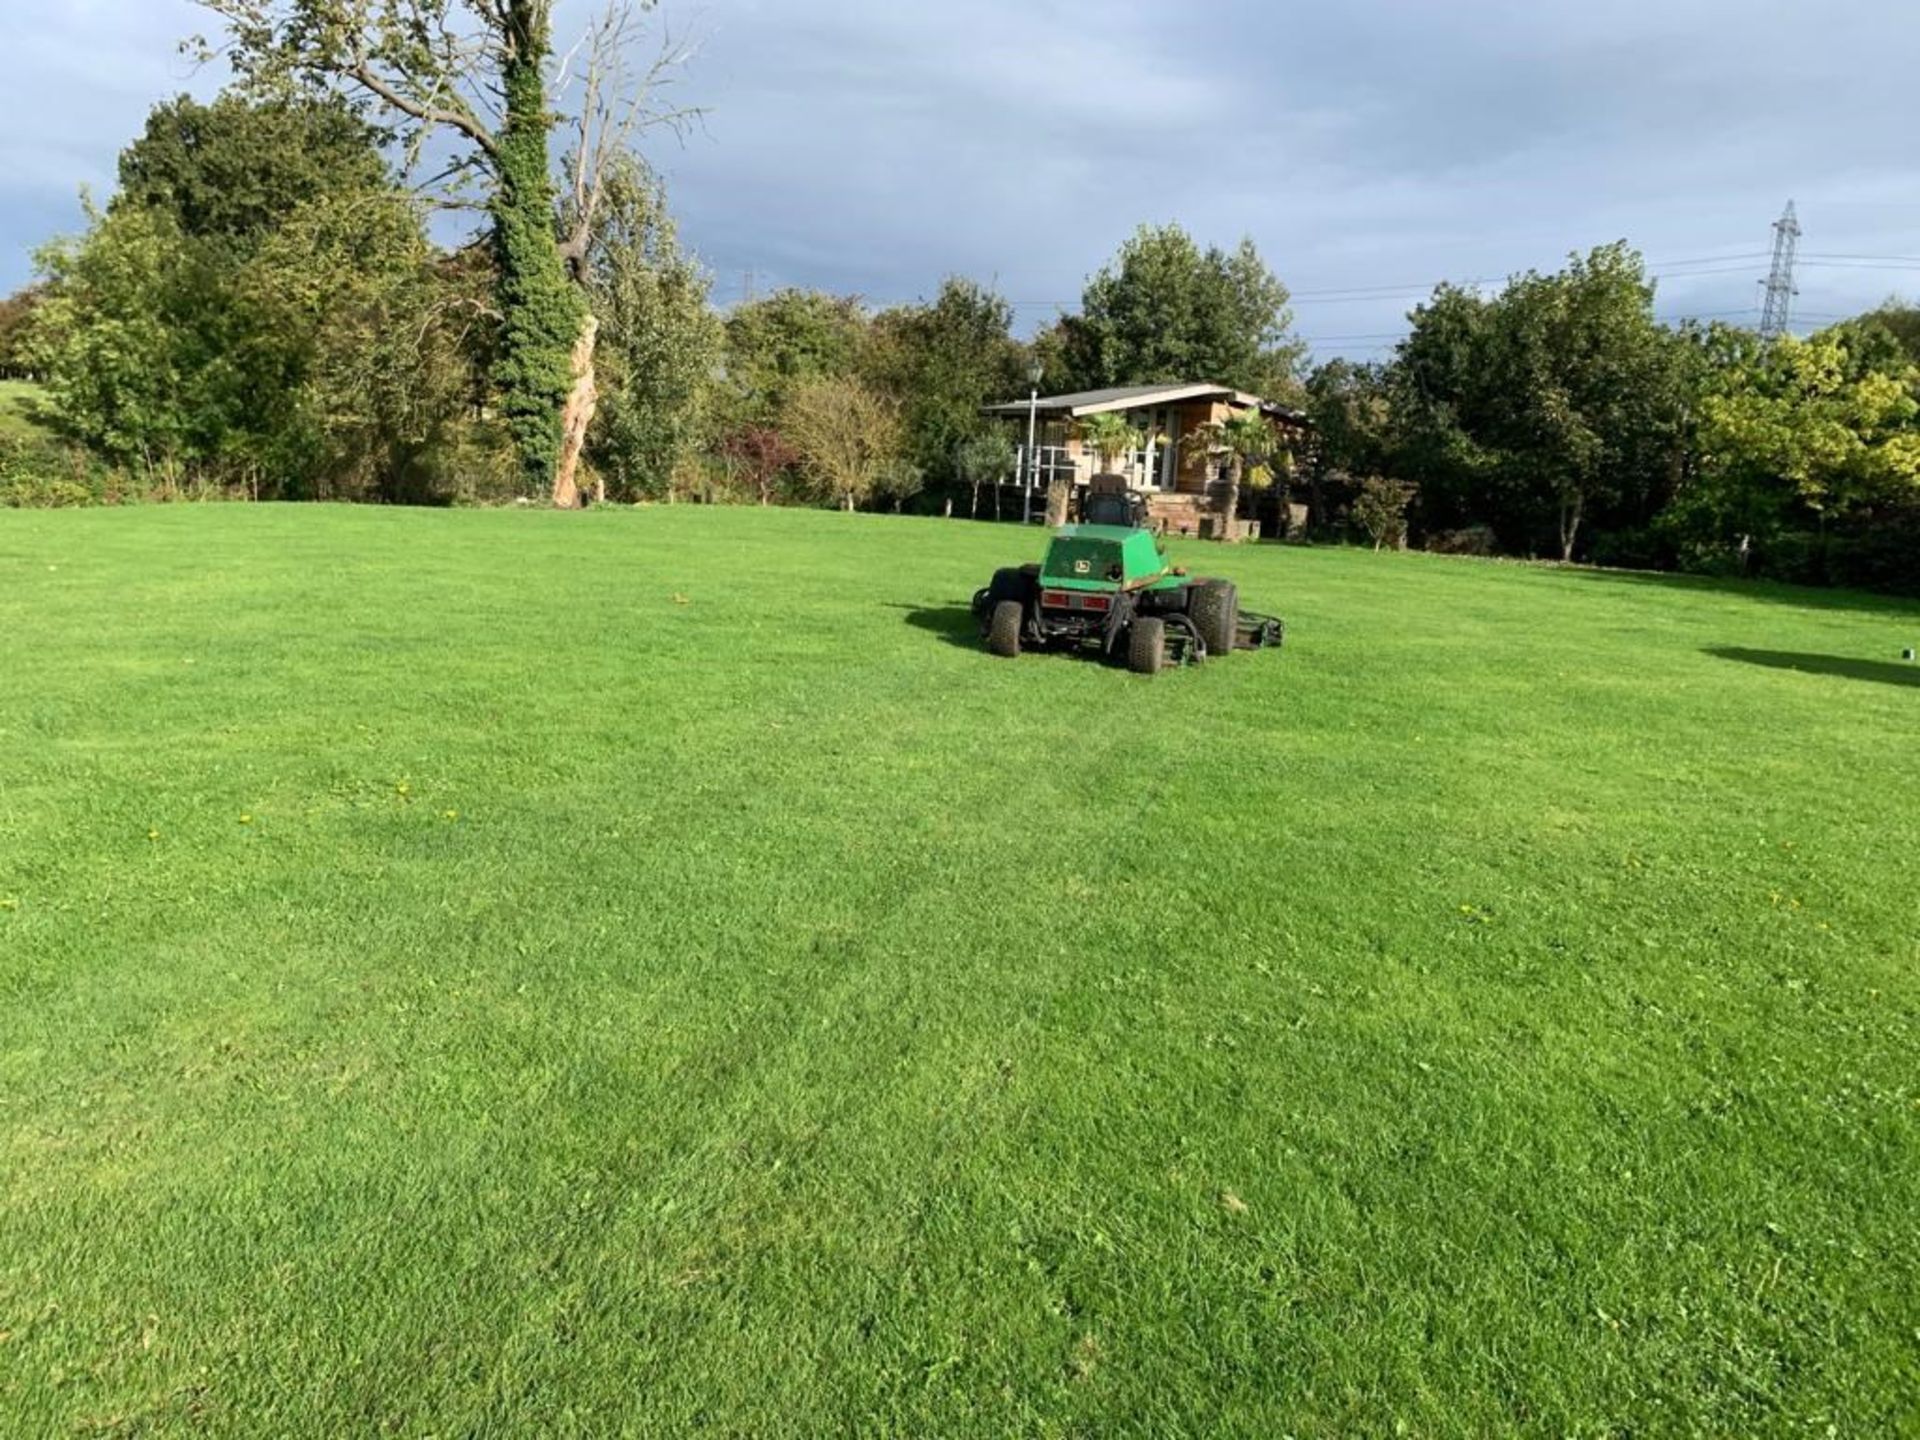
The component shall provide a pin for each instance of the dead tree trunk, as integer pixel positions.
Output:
(582, 401)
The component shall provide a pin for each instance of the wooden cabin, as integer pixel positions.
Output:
(1179, 474)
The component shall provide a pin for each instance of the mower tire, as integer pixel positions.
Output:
(1147, 645)
(1215, 611)
(1003, 633)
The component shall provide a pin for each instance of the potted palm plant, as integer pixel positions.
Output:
(1111, 439)
(1241, 440)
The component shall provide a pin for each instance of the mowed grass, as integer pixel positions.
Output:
(653, 973)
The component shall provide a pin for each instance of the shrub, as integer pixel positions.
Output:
(1381, 510)
(1632, 550)
(40, 474)
(1468, 540)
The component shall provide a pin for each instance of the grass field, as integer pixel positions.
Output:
(478, 974)
(17, 399)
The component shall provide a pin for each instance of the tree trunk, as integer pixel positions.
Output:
(582, 401)
(1231, 506)
(1571, 507)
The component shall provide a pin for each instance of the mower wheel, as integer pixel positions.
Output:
(1215, 608)
(1147, 645)
(1003, 635)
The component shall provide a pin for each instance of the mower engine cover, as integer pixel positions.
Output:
(1106, 558)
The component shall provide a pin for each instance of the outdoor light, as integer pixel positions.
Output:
(1030, 461)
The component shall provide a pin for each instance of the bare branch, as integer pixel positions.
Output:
(463, 120)
(618, 103)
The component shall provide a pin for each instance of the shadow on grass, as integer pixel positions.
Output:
(1807, 596)
(952, 623)
(1886, 672)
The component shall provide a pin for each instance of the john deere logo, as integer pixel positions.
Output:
(1081, 567)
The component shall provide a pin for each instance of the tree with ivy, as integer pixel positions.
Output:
(480, 73)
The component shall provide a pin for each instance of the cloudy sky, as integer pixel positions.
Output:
(1370, 148)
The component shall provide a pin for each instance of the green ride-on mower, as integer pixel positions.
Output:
(1106, 581)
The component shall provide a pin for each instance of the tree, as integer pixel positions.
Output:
(1561, 395)
(1111, 437)
(16, 322)
(659, 340)
(314, 350)
(984, 459)
(899, 481)
(761, 456)
(943, 362)
(384, 338)
(1164, 310)
(234, 169)
(1381, 509)
(128, 345)
(1900, 319)
(847, 436)
(1355, 427)
(772, 345)
(475, 73)
(1797, 423)
(1244, 439)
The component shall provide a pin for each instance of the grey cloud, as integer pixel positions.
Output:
(873, 147)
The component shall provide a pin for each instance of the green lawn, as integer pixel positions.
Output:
(490, 974)
(17, 401)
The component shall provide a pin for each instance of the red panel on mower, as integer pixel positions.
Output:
(1074, 600)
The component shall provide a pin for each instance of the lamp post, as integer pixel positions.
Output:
(1034, 371)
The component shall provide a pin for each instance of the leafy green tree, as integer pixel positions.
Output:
(1166, 310)
(1444, 403)
(791, 336)
(944, 362)
(899, 481)
(235, 169)
(1797, 424)
(373, 333)
(133, 356)
(984, 459)
(1351, 406)
(1901, 320)
(16, 323)
(1381, 509)
(1356, 429)
(477, 74)
(316, 350)
(659, 343)
(1561, 396)
(848, 435)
